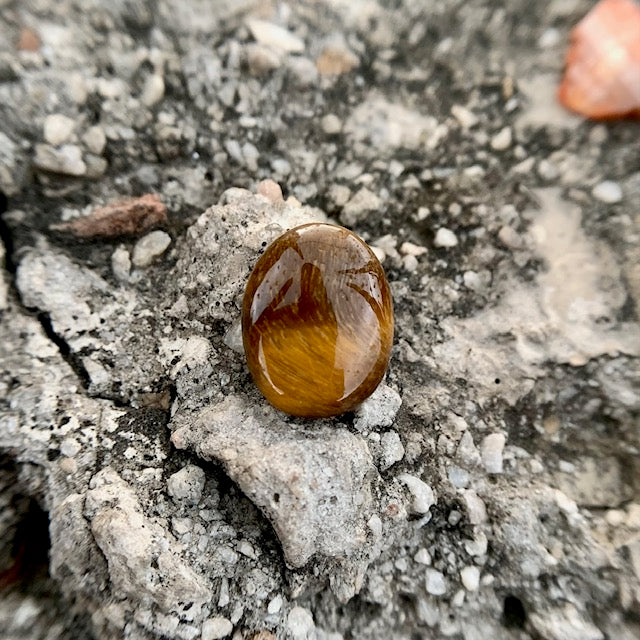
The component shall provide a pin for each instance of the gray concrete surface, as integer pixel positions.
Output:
(489, 489)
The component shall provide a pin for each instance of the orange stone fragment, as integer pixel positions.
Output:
(317, 321)
(602, 77)
(128, 217)
(29, 40)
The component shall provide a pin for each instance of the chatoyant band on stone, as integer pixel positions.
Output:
(317, 321)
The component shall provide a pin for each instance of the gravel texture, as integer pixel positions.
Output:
(149, 151)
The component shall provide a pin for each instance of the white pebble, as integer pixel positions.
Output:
(303, 69)
(536, 466)
(565, 503)
(476, 509)
(464, 116)
(148, 248)
(422, 213)
(262, 59)
(339, 194)
(614, 517)
(375, 525)
(491, 452)
(410, 249)
(467, 451)
(392, 449)
(58, 128)
(275, 605)
(331, 124)
(395, 168)
(549, 38)
(502, 140)
(422, 556)
(275, 36)
(95, 140)
(510, 237)
(458, 477)
(246, 549)
(423, 498)
(608, 191)
(410, 263)
(70, 447)
(300, 623)
(470, 577)
(187, 484)
(458, 598)
(66, 159)
(445, 238)
(121, 264)
(633, 516)
(547, 170)
(216, 628)
(388, 245)
(153, 90)
(435, 583)
(472, 281)
(478, 546)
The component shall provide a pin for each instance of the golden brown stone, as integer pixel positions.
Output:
(317, 321)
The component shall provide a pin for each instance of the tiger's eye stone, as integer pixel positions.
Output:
(317, 321)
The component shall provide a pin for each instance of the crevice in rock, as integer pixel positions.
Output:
(43, 318)
(65, 351)
(5, 235)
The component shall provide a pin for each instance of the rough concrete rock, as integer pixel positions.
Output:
(314, 485)
(143, 560)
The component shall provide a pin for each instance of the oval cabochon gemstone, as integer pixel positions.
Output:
(317, 321)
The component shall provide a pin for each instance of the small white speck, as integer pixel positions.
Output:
(608, 191)
(445, 238)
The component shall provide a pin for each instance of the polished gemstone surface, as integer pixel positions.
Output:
(317, 321)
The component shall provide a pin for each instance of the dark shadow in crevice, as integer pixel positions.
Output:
(514, 615)
(72, 359)
(30, 552)
(27, 578)
(5, 235)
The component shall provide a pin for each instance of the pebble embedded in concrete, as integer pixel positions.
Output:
(275, 36)
(445, 238)
(392, 449)
(491, 449)
(153, 91)
(378, 410)
(464, 116)
(216, 628)
(423, 497)
(476, 509)
(299, 624)
(422, 556)
(187, 484)
(121, 264)
(95, 139)
(66, 159)
(502, 140)
(470, 577)
(608, 192)
(58, 128)
(150, 247)
(331, 124)
(435, 582)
